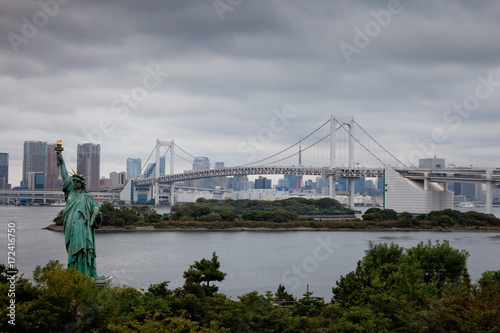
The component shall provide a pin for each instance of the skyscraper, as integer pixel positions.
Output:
(54, 179)
(34, 161)
(263, 183)
(292, 180)
(199, 164)
(220, 181)
(134, 166)
(4, 171)
(88, 163)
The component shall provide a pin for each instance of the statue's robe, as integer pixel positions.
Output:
(80, 221)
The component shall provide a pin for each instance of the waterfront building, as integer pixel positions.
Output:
(88, 163)
(4, 171)
(414, 196)
(36, 180)
(34, 161)
(468, 190)
(134, 166)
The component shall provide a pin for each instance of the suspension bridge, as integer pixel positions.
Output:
(329, 152)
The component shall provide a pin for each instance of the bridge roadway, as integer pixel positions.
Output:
(53, 195)
(266, 170)
(459, 175)
(436, 175)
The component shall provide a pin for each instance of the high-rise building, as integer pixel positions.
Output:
(134, 166)
(292, 180)
(432, 163)
(220, 181)
(263, 183)
(4, 171)
(36, 180)
(88, 163)
(149, 172)
(34, 161)
(283, 184)
(238, 183)
(54, 179)
(116, 178)
(200, 164)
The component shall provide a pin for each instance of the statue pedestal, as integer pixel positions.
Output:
(103, 280)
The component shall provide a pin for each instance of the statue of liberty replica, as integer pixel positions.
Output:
(81, 216)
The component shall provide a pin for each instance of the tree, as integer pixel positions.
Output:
(204, 271)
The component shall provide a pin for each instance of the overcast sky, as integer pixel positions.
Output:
(422, 77)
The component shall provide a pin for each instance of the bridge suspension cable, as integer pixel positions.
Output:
(362, 145)
(303, 150)
(394, 157)
(144, 165)
(282, 151)
(185, 152)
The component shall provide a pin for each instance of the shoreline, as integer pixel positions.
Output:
(111, 229)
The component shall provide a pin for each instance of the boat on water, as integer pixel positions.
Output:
(466, 205)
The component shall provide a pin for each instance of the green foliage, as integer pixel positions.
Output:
(421, 289)
(204, 271)
(122, 216)
(450, 217)
(59, 220)
(254, 210)
(377, 214)
(309, 306)
(406, 220)
(396, 283)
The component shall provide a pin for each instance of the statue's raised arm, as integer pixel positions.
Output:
(62, 167)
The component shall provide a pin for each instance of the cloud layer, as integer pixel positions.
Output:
(423, 78)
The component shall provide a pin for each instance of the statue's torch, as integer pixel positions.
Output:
(58, 148)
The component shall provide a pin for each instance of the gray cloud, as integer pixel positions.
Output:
(227, 76)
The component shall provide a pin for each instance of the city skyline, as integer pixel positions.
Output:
(422, 77)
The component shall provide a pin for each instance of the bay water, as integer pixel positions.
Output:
(253, 260)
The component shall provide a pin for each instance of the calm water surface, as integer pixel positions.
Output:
(252, 260)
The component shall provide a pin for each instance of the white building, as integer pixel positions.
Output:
(413, 196)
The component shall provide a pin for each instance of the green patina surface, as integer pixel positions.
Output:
(82, 216)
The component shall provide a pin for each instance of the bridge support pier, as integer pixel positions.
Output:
(332, 187)
(489, 191)
(156, 184)
(351, 193)
(172, 190)
(349, 122)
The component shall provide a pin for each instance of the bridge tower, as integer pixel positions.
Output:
(349, 122)
(170, 146)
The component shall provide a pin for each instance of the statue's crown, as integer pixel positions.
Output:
(78, 176)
